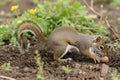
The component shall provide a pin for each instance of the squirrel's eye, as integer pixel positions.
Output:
(101, 47)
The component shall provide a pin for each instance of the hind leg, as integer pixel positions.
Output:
(59, 58)
(61, 51)
(58, 51)
(23, 44)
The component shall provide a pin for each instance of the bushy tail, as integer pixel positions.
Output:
(28, 26)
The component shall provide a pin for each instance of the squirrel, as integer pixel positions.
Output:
(62, 40)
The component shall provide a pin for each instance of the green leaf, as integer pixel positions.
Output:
(76, 5)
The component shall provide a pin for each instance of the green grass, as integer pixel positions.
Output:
(66, 69)
(40, 64)
(6, 66)
(115, 75)
(115, 2)
(3, 2)
(36, 1)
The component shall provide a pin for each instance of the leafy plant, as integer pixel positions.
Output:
(115, 76)
(15, 1)
(5, 33)
(3, 2)
(36, 1)
(39, 75)
(115, 2)
(50, 15)
(66, 69)
(15, 10)
(6, 66)
(114, 45)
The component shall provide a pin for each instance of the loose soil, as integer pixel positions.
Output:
(24, 66)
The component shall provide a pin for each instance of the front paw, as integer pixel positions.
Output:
(96, 58)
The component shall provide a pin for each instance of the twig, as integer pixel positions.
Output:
(108, 24)
(92, 3)
(91, 8)
(111, 29)
(5, 77)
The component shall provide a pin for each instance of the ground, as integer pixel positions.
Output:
(24, 66)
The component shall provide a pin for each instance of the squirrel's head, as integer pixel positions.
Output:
(100, 45)
(99, 48)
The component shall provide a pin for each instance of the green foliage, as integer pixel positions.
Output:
(6, 66)
(15, 1)
(3, 2)
(5, 33)
(115, 2)
(38, 60)
(36, 1)
(8, 32)
(50, 15)
(39, 75)
(115, 76)
(114, 45)
(66, 69)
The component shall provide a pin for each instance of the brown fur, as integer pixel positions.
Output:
(61, 37)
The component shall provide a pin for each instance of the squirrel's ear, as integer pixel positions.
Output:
(97, 39)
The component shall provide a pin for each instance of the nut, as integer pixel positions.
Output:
(104, 59)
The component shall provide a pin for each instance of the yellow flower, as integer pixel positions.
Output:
(15, 7)
(32, 11)
(19, 22)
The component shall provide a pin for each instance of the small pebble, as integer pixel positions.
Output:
(101, 78)
(26, 69)
(104, 70)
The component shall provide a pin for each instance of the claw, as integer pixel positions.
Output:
(96, 59)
